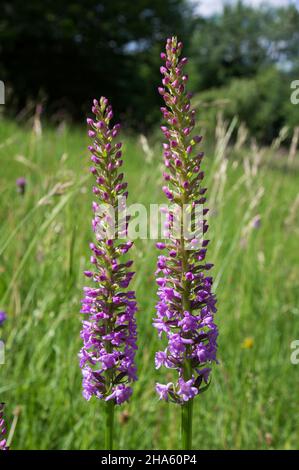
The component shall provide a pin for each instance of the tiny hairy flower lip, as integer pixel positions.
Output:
(160, 245)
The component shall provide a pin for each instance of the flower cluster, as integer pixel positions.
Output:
(21, 185)
(109, 332)
(3, 445)
(186, 304)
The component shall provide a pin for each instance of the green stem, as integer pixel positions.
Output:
(187, 425)
(109, 432)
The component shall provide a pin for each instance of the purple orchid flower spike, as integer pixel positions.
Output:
(3, 442)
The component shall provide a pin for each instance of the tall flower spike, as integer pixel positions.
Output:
(109, 332)
(3, 444)
(187, 305)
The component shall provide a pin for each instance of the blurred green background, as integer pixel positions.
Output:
(54, 58)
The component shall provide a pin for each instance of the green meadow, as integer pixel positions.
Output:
(253, 195)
